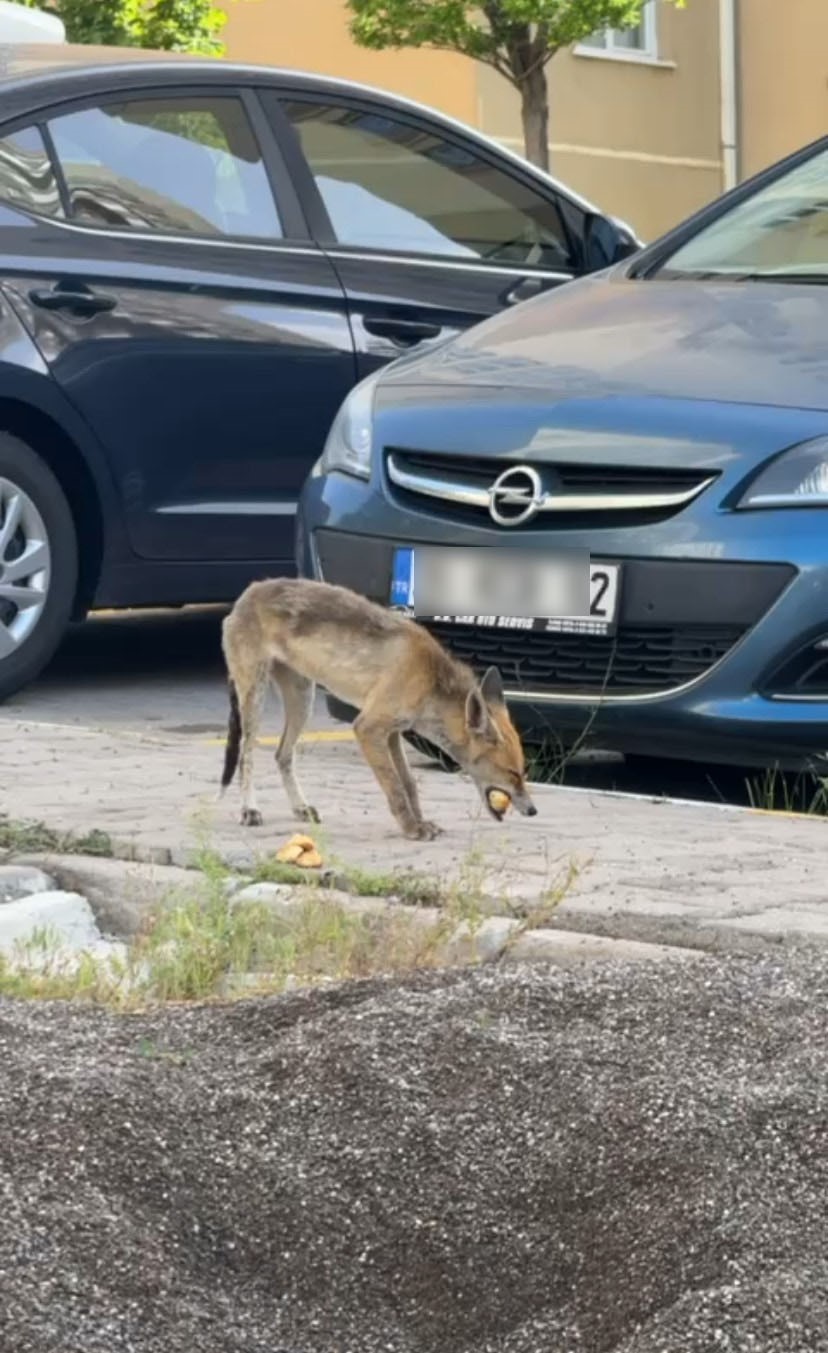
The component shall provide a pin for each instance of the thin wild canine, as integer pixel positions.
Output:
(298, 633)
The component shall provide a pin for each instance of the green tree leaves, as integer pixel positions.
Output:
(167, 25)
(517, 37)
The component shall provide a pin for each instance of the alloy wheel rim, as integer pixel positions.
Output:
(25, 567)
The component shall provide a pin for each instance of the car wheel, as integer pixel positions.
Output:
(38, 564)
(426, 748)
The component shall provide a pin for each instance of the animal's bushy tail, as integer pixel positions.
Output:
(234, 732)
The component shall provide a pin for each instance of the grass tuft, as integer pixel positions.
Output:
(401, 885)
(775, 792)
(40, 969)
(32, 837)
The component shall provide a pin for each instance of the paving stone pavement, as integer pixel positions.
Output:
(649, 870)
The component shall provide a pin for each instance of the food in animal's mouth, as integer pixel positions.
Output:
(498, 801)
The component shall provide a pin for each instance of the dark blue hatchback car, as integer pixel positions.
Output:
(669, 417)
(197, 262)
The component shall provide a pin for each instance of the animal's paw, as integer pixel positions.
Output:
(432, 829)
(306, 813)
(251, 817)
(423, 831)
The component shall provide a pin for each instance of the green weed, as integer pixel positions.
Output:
(32, 837)
(774, 791)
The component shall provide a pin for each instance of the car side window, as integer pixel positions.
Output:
(391, 185)
(189, 166)
(27, 175)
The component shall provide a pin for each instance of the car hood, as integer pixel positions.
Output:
(610, 337)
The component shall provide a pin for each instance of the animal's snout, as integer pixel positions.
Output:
(524, 805)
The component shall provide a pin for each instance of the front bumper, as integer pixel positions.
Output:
(716, 630)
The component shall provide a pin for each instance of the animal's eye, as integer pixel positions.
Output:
(516, 777)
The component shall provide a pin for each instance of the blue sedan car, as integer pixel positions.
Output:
(664, 421)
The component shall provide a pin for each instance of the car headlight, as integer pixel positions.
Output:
(798, 478)
(351, 439)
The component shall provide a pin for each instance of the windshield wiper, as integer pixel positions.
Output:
(807, 278)
(716, 275)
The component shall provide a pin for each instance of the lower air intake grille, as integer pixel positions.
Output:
(638, 660)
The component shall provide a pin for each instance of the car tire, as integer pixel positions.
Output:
(36, 522)
(426, 748)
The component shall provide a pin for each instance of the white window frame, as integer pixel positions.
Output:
(613, 50)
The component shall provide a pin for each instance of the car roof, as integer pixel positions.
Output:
(33, 74)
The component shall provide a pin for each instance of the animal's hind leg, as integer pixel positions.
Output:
(250, 703)
(248, 675)
(249, 678)
(297, 699)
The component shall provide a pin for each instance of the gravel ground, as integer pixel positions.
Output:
(521, 1160)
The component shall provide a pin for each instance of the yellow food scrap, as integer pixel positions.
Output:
(289, 853)
(301, 851)
(499, 801)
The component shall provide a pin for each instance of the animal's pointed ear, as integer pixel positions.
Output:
(479, 721)
(492, 687)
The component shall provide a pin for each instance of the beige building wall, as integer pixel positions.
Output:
(784, 78)
(640, 138)
(313, 35)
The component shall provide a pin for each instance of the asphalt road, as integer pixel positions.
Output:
(148, 670)
(162, 671)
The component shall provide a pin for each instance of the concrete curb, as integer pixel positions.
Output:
(568, 948)
(122, 893)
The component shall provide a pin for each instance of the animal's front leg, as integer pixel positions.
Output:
(400, 760)
(374, 740)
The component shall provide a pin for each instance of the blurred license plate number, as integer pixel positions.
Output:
(604, 588)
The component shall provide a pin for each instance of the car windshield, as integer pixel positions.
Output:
(780, 232)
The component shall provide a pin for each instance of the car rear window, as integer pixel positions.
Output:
(187, 166)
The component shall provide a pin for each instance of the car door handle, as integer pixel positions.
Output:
(524, 289)
(403, 332)
(78, 298)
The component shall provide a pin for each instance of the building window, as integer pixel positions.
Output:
(631, 44)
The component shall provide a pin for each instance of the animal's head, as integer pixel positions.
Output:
(493, 751)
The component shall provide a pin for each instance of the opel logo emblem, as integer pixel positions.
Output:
(516, 496)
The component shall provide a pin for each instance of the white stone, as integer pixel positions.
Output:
(480, 943)
(66, 917)
(271, 894)
(234, 883)
(111, 956)
(19, 880)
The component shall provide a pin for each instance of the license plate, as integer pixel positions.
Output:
(528, 580)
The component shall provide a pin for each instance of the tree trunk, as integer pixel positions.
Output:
(534, 108)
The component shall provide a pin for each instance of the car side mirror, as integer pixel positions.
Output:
(607, 241)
